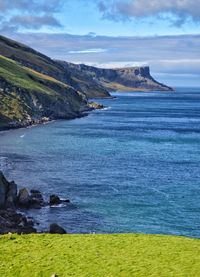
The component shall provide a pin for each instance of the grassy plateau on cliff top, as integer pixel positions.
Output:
(98, 255)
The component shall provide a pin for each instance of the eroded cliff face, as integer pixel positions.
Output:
(84, 81)
(125, 79)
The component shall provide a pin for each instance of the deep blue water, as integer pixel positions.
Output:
(134, 167)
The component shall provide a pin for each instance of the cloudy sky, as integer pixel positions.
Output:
(164, 34)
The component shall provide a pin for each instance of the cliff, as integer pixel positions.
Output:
(84, 81)
(123, 79)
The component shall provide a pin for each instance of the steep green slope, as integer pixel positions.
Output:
(120, 255)
(30, 58)
(27, 96)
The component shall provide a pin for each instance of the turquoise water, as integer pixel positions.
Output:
(133, 167)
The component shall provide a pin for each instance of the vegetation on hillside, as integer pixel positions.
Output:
(26, 78)
(32, 59)
(26, 93)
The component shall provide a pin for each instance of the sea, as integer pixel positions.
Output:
(132, 167)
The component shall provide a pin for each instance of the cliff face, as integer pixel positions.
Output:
(125, 79)
(84, 81)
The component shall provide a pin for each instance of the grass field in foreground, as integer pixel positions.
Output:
(98, 255)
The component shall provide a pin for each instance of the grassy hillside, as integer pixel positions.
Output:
(26, 94)
(99, 255)
(32, 59)
(24, 77)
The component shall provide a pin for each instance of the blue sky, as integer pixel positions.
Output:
(112, 33)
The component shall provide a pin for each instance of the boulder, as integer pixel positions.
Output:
(24, 198)
(4, 184)
(56, 229)
(54, 200)
(11, 196)
(95, 106)
(36, 199)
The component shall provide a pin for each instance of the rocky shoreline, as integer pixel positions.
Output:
(14, 200)
(44, 120)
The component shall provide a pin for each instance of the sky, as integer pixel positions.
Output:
(164, 34)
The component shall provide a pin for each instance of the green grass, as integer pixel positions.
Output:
(26, 78)
(12, 107)
(25, 85)
(98, 255)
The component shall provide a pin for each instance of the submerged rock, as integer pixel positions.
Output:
(56, 229)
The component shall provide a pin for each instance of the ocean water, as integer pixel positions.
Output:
(132, 167)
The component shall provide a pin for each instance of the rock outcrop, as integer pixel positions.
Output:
(11, 220)
(14, 222)
(55, 200)
(8, 193)
(56, 229)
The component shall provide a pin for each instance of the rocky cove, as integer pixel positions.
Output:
(15, 202)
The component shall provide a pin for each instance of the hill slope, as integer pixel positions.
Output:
(27, 96)
(33, 59)
(92, 81)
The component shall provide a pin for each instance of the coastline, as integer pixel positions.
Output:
(44, 120)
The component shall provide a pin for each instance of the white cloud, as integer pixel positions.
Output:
(180, 9)
(86, 51)
(28, 14)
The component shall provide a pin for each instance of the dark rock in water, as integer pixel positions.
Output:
(36, 199)
(13, 222)
(8, 193)
(24, 198)
(56, 229)
(10, 220)
(11, 198)
(55, 200)
(32, 200)
(3, 188)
